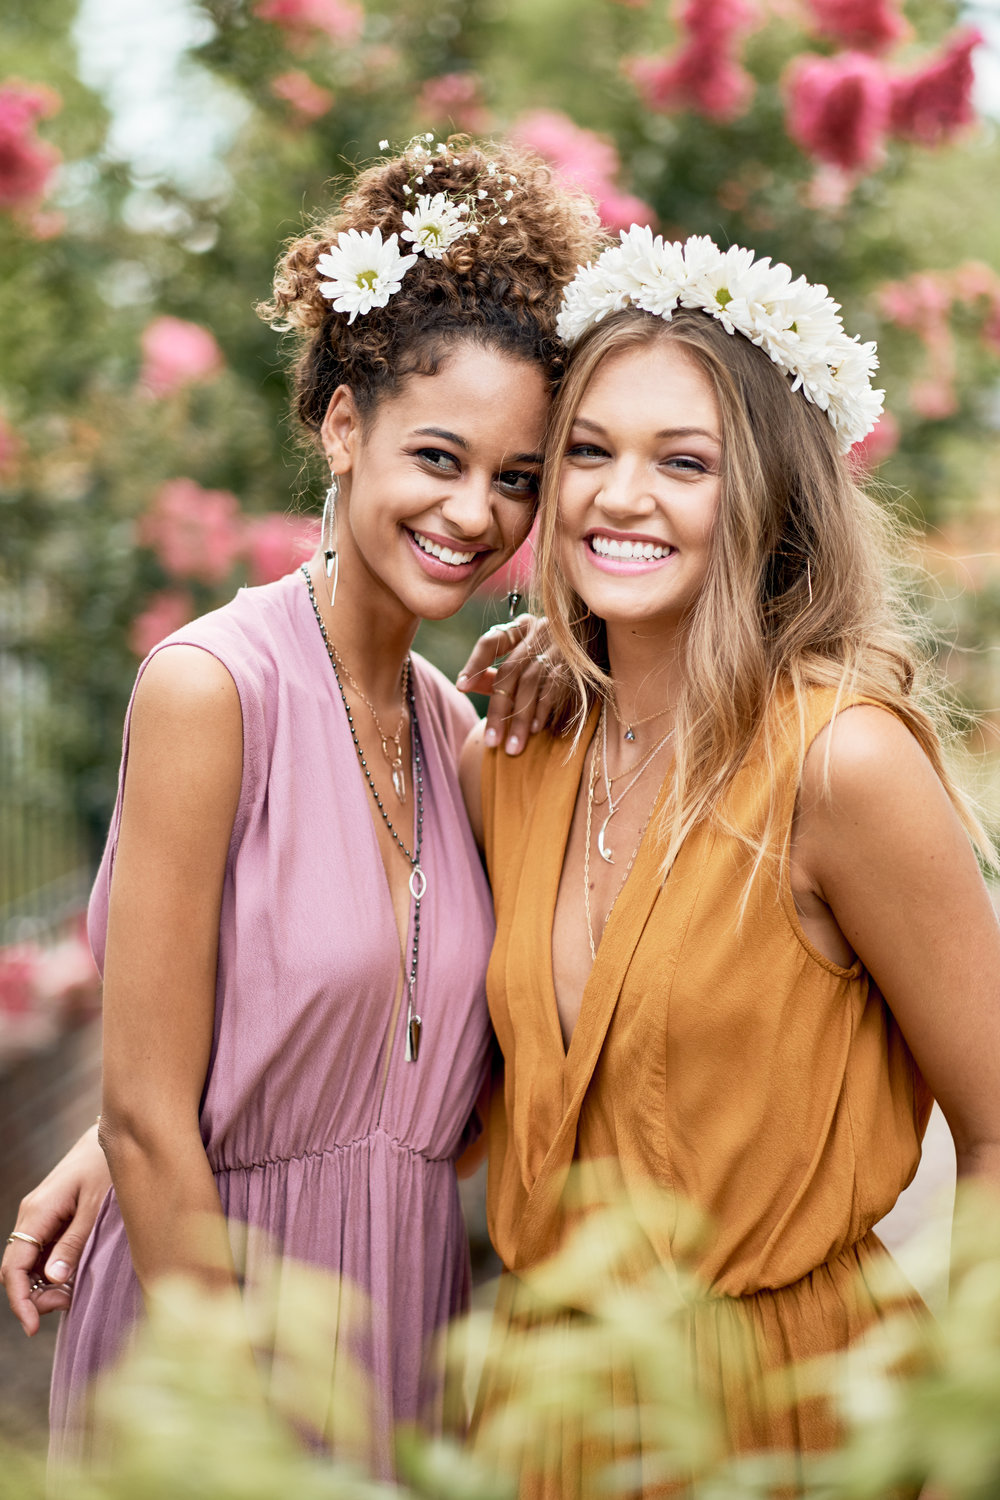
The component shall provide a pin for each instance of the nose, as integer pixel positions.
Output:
(625, 490)
(468, 506)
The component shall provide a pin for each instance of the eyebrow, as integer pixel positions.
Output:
(667, 432)
(453, 437)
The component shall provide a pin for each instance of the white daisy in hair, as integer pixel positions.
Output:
(364, 270)
(434, 224)
(653, 270)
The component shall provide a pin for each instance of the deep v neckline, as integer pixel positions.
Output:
(624, 922)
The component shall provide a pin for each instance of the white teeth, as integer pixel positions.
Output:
(444, 554)
(606, 546)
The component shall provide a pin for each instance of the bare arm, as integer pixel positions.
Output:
(470, 775)
(884, 851)
(181, 793)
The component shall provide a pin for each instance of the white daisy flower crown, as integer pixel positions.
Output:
(364, 270)
(794, 322)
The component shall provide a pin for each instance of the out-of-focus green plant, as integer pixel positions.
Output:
(185, 1415)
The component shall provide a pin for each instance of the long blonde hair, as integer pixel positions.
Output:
(803, 588)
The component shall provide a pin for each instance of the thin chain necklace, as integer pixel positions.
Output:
(418, 880)
(613, 805)
(395, 762)
(592, 782)
(631, 725)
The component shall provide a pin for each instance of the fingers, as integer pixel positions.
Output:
(476, 675)
(64, 1257)
(513, 711)
(18, 1270)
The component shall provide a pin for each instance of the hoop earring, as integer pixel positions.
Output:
(328, 536)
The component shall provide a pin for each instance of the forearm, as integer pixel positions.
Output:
(169, 1203)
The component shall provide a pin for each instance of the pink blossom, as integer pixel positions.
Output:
(340, 20)
(704, 72)
(881, 442)
(454, 97)
(175, 354)
(920, 302)
(584, 158)
(26, 163)
(838, 109)
(19, 978)
(862, 25)
(934, 104)
(195, 533)
(68, 977)
(10, 450)
(991, 326)
(306, 98)
(934, 398)
(276, 544)
(165, 613)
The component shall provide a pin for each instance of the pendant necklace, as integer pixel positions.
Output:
(606, 853)
(395, 762)
(418, 880)
(631, 725)
(586, 858)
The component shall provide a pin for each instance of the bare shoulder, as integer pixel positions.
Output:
(186, 683)
(866, 755)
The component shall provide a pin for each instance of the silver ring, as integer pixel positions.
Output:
(29, 1239)
(501, 693)
(541, 657)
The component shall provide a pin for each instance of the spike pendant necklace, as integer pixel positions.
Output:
(418, 880)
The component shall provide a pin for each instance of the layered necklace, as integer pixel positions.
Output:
(418, 880)
(613, 805)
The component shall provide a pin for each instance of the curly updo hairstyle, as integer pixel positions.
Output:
(499, 287)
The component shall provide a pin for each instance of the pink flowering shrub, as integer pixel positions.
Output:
(933, 104)
(26, 163)
(880, 444)
(838, 109)
(42, 990)
(586, 159)
(276, 543)
(924, 304)
(10, 450)
(304, 97)
(704, 73)
(340, 20)
(175, 354)
(195, 533)
(860, 25)
(457, 98)
(165, 612)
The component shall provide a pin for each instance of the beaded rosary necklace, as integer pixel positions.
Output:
(418, 880)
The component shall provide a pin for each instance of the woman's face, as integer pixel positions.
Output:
(639, 486)
(438, 487)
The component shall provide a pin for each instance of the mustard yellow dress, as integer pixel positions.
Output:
(730, 1063)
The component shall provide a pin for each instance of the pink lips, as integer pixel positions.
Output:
(626, 565)
(442, 571)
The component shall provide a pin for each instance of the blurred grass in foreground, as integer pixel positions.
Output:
(186, 1416)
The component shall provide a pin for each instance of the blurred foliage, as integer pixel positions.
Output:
(83, 449)
(184, 1415)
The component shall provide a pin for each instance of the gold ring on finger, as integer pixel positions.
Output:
(502, 693)
(29, 1239)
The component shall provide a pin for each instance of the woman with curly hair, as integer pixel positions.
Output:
(742, 936)
(291, 915)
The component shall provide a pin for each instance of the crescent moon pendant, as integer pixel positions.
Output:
(606, 854)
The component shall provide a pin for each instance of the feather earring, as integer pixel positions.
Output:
(328, 536)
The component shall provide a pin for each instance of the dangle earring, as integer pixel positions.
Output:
(328, 536)
(513, 601)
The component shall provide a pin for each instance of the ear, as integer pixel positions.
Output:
(341, 430)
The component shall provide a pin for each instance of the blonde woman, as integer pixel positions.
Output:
(742, 937)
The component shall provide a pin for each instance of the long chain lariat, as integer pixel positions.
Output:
(418, 880)
(592, 782)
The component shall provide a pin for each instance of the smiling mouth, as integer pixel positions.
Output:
(444, 554)
(628, 551)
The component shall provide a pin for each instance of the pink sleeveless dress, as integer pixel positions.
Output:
(318, 1131)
